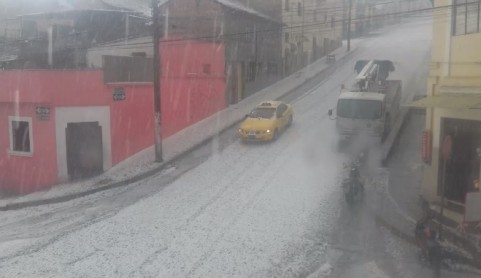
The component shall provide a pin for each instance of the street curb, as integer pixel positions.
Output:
(392, 148)
(60, 199)
(406, 114)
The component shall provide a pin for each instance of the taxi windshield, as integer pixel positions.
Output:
(264, 113)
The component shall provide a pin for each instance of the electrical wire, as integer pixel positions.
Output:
(295, 29)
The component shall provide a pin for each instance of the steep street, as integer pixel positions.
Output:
(234, 210)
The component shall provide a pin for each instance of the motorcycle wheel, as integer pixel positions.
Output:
(348, 198)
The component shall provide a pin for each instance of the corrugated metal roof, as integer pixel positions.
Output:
(144, 6)
(141, 6)
(15, 8)
(238, 6)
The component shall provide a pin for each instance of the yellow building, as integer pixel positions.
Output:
(453, 106)
(312, 29)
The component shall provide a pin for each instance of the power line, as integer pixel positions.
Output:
(274, 30)
(358, 19)
(327, 22)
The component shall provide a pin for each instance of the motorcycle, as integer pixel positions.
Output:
(353, 186)
(428, 241)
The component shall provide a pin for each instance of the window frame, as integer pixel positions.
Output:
(11, 150)
(459, 25)
(469, 17)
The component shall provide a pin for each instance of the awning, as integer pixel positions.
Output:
(449, 102)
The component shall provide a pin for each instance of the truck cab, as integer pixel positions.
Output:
(361, 112)
(371, 105)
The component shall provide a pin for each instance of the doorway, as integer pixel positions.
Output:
(463, 167)
(84, 150)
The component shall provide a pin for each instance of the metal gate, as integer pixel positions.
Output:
(84, 150)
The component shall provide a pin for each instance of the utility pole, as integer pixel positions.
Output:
(349, 20)
(157, 72)
(446, 156)
(302, 34)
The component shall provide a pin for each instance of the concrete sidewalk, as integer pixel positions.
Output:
(396, 194)
(141, 165)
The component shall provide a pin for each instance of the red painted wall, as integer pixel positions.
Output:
(132, 122)
(193, 94)
(25, 174)
(188, 95)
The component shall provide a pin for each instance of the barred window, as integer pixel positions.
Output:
(466, 17)
(472, 12)
(20, 135)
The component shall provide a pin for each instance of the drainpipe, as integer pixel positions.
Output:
(166, 22)
(50, 46)
(349, 22)
(127, 27)
(450, 35)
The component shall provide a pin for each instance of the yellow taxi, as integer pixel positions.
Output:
(266, 121)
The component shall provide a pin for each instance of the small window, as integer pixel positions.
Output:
(460, 18)
(472, 14)
(206, 69)
(21, 135)
(252, 72)
(248, 35)
(139, 54)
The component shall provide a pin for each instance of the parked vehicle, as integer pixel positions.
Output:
(371, 106)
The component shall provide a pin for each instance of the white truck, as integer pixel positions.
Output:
(371, 105)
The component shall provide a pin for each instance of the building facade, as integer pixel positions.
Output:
(252, 39)
(453, 107)
(60, 125)
(312, 29)
(59, 40)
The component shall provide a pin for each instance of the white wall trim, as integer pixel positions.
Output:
(11, 151)
(66, 115)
